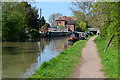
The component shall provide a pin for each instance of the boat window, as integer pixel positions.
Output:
(72, 35)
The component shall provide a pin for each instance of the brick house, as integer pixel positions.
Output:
(66, 21)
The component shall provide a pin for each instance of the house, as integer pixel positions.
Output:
(69, 22)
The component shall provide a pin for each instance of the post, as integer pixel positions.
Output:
(109, 43)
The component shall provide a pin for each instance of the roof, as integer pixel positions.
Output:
(69, 20)
(93, 29)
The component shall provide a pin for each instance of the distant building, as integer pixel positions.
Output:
(69, 22)
(94, 30)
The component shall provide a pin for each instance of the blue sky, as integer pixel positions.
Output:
(48, 8)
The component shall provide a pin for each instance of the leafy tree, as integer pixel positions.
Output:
(79, 29)
(16, 17)
(103, 15)
(13, 26)
(80, 18)
(110, 20)
(31, 14)
(82, 12)
(42, 22)
(45, 27)
(0, 20)
(62, 26)
(83, 26)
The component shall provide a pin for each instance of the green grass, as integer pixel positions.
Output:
(63, 65)
(109, 58)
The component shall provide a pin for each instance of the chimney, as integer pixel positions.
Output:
(40, 13)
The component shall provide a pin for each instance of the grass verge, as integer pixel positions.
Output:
(63, 65)
(109, 58)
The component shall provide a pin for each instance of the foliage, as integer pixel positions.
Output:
(111, 19)
(106, 16)
(79, 29)
(83, 26)
(79, 16)
(109, 58)
(0, 20)
(13, 25)
(45, 27)
(60, 66)
(31, 14)
(16, 17)
(34, 33)
(42, 22)
(62, 26)
(82, 13)
(103, 15)
(110, 26)
(84, 7)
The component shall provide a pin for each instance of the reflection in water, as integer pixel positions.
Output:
(22, 59)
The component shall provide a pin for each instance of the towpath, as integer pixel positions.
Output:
(90, 64)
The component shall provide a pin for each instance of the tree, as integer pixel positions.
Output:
(42, 22)
(83, 12)
(16, 17)
(31, 14)
(13, 26)
(79, 17)
(53, 17)
(62, 26)
(110, 20)
(83, 26)
(45, 27)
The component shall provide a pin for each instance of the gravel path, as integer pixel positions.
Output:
(90, 64)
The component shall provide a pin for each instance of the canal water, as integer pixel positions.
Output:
(22, 59)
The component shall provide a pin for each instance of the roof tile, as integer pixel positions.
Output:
(69, 20)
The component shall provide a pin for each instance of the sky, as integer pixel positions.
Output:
(48, 8)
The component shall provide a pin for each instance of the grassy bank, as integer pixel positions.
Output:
(109, 58)
(61, 66)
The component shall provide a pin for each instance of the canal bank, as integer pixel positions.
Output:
(63, 65)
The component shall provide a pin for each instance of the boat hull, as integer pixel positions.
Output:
(73, 39)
